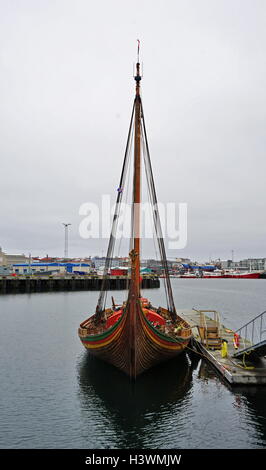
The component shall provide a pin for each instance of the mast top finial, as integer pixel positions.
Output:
(138, 75)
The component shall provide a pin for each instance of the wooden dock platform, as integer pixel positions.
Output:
(235, 371)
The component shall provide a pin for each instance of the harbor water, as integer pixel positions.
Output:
(54, 395)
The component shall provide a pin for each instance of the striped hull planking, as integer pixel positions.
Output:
(133, 344)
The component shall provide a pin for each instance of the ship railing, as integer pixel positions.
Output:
(253, 332)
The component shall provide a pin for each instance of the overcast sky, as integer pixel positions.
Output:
(66, 93)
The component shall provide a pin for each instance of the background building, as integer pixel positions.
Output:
(99, 262)
(248, 264)
(9, 260)
(51, 268)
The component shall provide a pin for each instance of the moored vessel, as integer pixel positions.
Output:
(135, 335)
(243, 274)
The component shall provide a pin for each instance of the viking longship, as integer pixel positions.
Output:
(135, 335)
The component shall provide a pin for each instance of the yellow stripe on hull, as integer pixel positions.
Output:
(105, 343)
(172, 348)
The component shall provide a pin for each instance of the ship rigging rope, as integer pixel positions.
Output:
(102, 297)
(126, 198)
(152, 211)
(151, 214)
(157, 222)
(125, 192)
(124, 215)
(156, 217)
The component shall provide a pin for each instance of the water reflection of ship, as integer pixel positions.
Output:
(159, 395)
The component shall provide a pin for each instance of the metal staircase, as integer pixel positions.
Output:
(253, 338)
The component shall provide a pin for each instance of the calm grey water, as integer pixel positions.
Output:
(53, 395)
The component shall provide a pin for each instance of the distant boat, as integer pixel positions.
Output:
(136, 335)
(243, 275)
(220, 274)
(217, 274)
(190, 276)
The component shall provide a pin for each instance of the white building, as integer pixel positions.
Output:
(99, 262)
(52, 268)
(9, 260)
(248, 264)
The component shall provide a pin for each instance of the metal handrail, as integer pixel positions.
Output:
(251, 333)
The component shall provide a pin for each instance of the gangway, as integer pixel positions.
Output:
(252, 338)
(209, 329)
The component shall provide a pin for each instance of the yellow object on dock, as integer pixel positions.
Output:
(224, 350)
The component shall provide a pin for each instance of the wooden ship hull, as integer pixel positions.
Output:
(139, 339)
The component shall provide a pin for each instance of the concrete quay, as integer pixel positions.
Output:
(10, 284)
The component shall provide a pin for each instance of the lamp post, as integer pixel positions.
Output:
(66, 239)
(29, 268)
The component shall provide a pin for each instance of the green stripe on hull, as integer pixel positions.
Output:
(104, 335)
(160, 334)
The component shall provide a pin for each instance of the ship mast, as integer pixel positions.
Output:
(134, 291)
(135, 278)
(137, 135)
